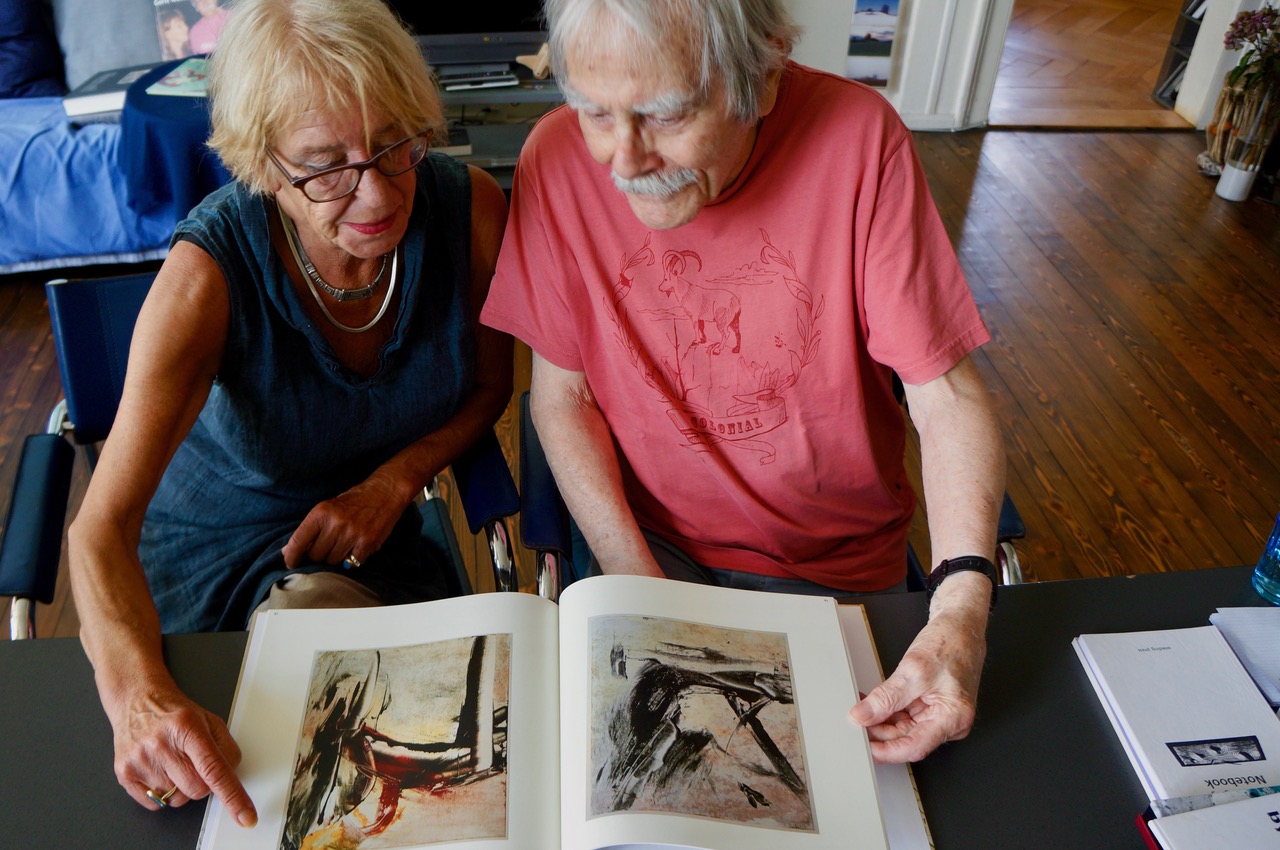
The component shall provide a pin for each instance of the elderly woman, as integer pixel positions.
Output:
(308, 358)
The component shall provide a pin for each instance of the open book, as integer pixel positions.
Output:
(637, 713)
(1196, 729)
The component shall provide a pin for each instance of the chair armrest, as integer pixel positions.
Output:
(32, 544)
(485, 486)
(544, 521)
(1010, 525)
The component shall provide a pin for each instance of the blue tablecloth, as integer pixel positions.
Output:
(162, 149)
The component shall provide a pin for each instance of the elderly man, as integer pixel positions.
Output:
(720, 258)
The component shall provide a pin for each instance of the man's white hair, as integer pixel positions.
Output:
(734, 42)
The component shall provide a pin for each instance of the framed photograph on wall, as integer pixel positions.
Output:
(189, 27)
(872, 31)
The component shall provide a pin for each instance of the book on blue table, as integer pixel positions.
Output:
(638, 712)
(187, 80)
(104, 91)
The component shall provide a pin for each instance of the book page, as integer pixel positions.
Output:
(702, 717)
(432, 724)
(1254, 636)
(900, 806)
(1187, 712)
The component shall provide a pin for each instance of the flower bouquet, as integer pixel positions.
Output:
(1248, 110)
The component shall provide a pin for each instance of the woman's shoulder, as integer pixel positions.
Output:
(448, 174)
(230, 225)
(229, 213)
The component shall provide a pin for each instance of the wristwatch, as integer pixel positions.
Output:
(959, 565)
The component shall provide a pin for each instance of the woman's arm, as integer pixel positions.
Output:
(358, 521)
(162, 738)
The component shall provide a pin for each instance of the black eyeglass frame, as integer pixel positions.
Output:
(360, 168)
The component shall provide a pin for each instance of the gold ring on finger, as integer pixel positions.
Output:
(161, 800)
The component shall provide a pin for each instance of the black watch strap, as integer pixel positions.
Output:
(959, 565)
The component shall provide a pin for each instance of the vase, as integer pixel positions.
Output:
(1243, 127)
(1235, 182)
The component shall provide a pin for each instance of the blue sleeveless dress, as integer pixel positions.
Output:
(286, 426)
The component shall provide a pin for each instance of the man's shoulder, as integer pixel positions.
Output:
(834, 97)
(555, 134)
(821, 115)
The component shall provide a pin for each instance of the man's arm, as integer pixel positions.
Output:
(932, 695)
(580, 451)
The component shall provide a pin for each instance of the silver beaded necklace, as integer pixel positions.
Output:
(311, 278)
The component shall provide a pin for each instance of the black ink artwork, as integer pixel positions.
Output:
(695, 720)
(1217, 751)
(402, 746)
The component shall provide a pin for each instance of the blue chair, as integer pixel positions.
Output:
(545, 526)
(544, 520)
(92, 323)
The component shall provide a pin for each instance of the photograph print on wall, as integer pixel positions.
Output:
(871, 35)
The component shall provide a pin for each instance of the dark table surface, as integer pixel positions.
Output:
(1041, 769)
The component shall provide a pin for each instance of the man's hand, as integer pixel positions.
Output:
(164, 741)
(356, 522)
(932, 697)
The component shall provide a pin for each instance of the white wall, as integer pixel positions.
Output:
(825, 41)
(944, 61)
(1209, 61)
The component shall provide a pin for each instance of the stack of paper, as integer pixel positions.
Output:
(1194, 726)
(1254, 822)
(1254, 635)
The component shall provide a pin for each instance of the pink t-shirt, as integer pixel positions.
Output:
(743, 360)
(204, 32)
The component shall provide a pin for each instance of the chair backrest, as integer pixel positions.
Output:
(92, 325)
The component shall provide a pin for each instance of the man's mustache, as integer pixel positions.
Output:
(659, 184)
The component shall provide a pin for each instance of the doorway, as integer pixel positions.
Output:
(1084, 64)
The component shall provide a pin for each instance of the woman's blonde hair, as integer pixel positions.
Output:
(277, 59)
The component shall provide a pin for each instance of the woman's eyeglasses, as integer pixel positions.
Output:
(330, 184)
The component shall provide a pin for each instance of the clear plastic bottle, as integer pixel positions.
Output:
(1266, 578)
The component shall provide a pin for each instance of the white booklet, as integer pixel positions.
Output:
(1254, 636)
(637, 713)
(1192, 722)
(1251, 824)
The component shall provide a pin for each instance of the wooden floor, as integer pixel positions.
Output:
(1135, 358)
(1084, 64)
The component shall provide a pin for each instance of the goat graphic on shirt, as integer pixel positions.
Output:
(721, 364)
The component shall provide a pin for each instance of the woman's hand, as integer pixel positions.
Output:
(356, 522)
(164, 741)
